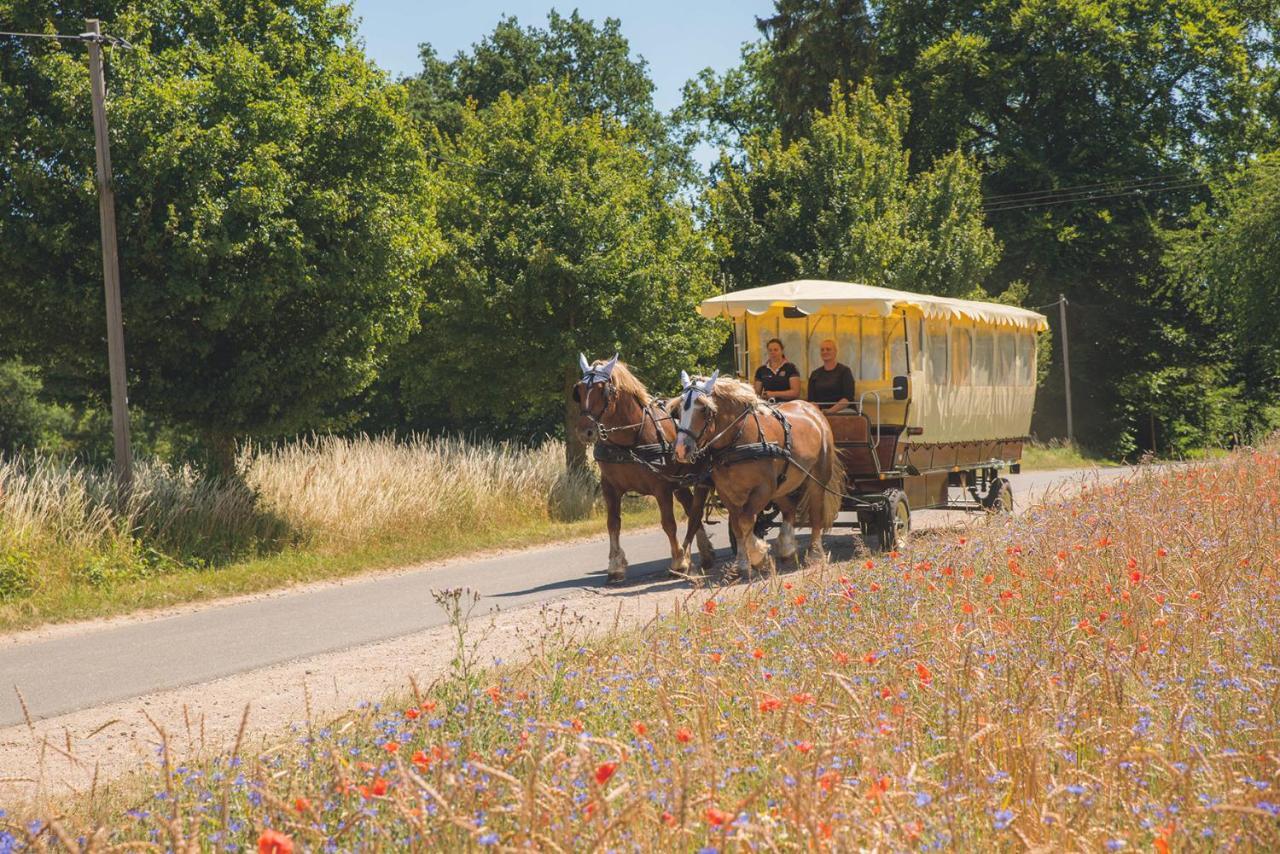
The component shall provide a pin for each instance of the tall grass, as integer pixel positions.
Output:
(1101, 675)
(65, 525)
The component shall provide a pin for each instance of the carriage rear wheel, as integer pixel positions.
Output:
(999, 499)
(893, 521)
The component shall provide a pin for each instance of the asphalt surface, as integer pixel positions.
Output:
(104, 664)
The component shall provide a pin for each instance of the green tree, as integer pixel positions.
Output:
(27, 422)
(842, 204)
(1229, 260)
(274, 207)
(562, 238)
(593, 61)
(1093, 123)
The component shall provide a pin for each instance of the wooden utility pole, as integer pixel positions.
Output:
(110, 262)
(1066, 364)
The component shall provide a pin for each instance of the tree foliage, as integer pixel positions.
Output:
(562, 237)
(842, 204)
(1136, 103)
(1231, 263)
(273, 203)
(27, 420)
(592, 61)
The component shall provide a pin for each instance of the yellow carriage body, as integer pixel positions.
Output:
(969, 367)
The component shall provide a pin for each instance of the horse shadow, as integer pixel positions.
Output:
(651, 576)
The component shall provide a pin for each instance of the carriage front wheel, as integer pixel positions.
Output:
(892, 521)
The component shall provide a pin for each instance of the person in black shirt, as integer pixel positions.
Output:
(831, 386)
(777, 378)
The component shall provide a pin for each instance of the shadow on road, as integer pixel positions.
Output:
(650, 576)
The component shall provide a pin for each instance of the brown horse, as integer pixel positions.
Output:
(784, 454)
(634, 442)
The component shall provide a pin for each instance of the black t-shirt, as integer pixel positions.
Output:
(829, 386)
(779, 380)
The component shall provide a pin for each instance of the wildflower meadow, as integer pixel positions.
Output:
(1102, 674)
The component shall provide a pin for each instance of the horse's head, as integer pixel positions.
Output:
(694, 413)
(595, 393)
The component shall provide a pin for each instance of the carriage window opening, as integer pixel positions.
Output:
(871, 364)
(1005, 374)
(897, 348)
(937, 343)
(848, 351)
(1026, 359)
(961, 356)
(984, 356)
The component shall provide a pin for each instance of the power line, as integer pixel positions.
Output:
(94, 38)
(1094, 197)
(1023, 195)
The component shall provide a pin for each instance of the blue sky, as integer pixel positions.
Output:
(677, 38)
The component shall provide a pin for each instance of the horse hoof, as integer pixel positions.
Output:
(616, 578)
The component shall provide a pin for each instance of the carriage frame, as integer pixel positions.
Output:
(945, 389)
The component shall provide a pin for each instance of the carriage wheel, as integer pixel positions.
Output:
(767, 518)
(893, 522)
(999, 498)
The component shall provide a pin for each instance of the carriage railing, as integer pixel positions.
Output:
(862, 409)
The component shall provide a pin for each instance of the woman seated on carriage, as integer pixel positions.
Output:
(831, 383)
(777, 378)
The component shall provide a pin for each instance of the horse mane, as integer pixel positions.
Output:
(735, 394)
(628, 383)
(728, 391)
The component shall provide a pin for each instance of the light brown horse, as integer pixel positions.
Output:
(634, 441)
(754, 462)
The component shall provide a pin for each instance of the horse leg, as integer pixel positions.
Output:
(613, 509)
(742, 524)
(693, 505)
(787, 529)
(817, 524)
(679, 559)
(754, 548)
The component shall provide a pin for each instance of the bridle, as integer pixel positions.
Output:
(593, 378)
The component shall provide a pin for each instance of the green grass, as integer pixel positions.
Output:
(293, 566)
(72, 546)
(1041, 456)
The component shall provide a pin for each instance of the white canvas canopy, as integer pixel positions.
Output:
(814, 296)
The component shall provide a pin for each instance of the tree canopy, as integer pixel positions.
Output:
(1094, 125)
(841, 203)
(274, 209)
(561, 238)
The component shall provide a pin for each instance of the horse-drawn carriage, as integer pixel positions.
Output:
(944, 388)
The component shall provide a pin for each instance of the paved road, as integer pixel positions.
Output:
(107, 664)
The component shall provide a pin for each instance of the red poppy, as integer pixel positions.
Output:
(923, 672)
(804, 747)
(770, 703)
(709, 606)
(422, 760)
(684, 735)
(801, 699)
(640, 728)
(391, 746)
(604, 771)
(715, 658)
(301, 804)
(274, 842)
(717, 817)
(668, 819)
(842, 658)
(757, 653)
